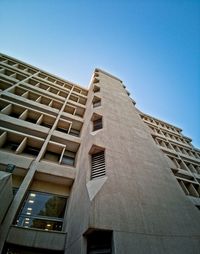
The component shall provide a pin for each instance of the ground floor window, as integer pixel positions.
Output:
(42, 210)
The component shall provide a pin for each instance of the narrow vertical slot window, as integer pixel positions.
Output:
(97, 121)
(96, 89)
(96, 102)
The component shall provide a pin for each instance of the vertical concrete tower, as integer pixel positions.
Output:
(125, 198)
(83, 171)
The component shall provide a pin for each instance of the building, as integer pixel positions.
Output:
(84, 171)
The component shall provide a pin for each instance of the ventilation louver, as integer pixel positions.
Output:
(98, 165)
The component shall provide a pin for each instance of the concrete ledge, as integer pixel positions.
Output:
(21, 125)
(57, 170)
(36, 238)
(66, 137)
(56, 173)
(12, 158)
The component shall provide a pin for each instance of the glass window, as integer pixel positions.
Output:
(68, 158)
(74, 132)
(43, 211)
(97, 124)
(31, 150)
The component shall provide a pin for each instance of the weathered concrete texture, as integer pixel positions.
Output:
(6, 194)
(149, 165)
(94, 186)
(140, 196)
(127, 243)
(36, 238)
(79, 246)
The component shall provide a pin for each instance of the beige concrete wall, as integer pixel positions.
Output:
(50, 187)
(36, 238)
(140, 195)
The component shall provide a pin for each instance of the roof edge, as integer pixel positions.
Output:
(108, 74)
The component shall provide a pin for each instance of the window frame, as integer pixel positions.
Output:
(28, 217)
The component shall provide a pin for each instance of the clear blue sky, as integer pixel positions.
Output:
(153, 46)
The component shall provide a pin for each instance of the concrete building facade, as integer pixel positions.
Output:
(84, 171)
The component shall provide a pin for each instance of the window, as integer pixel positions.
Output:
(98, 165)
(97, 124)
(58, 153)
(51, 156)
(11, 145)
(13, 142)
(191, 189)
(74, 132)
(63, 126)
(31, 150)
(30, 120)
(99, 241)
(95, 80)
(96, 89)
(45, 124)
(68, 158)
(96, 102)
(42, 210)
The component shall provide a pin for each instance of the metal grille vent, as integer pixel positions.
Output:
(98, 165)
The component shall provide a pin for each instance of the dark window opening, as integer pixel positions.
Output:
(99, 242)
(96, 102)
(74, 132)
(10, 145)
(31, 120)
(62, 129)
(14, 114)
(97, 124)
(46, 125)
(31, 150)
(96, 89)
